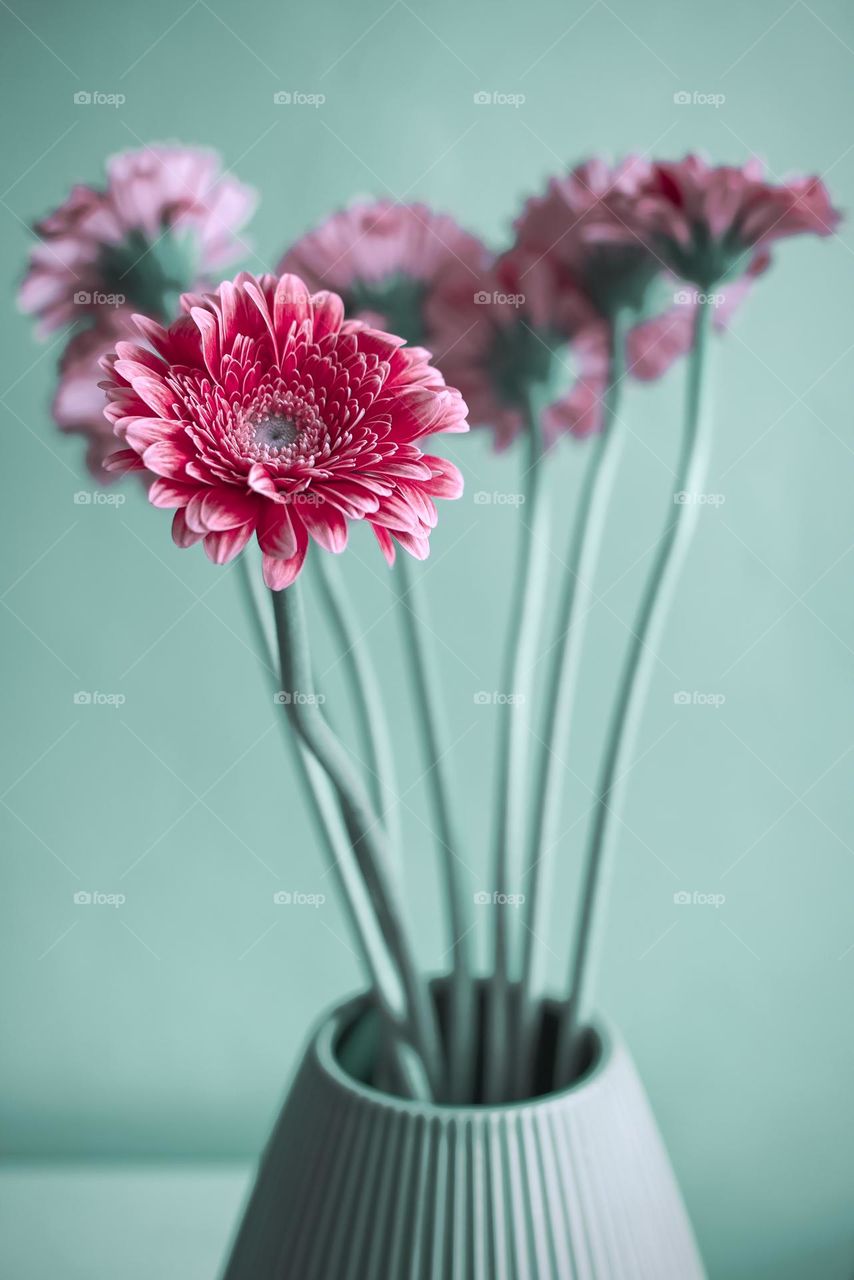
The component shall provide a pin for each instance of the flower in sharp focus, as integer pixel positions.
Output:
(525, 328)
(383, 258)
(262, 411)
(166, 219)
(716, 223)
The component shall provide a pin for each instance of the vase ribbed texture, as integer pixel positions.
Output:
(359, 1185)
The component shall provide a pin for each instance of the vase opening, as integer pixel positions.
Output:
(357, 1047)
(358, 1182)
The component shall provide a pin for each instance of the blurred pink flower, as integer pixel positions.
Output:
(79, 402)
(561, 235)
(654, 345)
(262, 411)
(555, 226)
(167, 219)
(419, 274)
(383, 258)
(711, 223)
(525, 327)
(564, 291)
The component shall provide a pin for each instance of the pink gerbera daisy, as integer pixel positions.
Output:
(715, 223)
(167, 219)
(383, 259)
(617, 272)
(564, 293)
(526, 332)
(262, 411)
(78, 405)
(554, 226)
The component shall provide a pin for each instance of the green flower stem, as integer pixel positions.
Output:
(562, 683)
(461, 1021)
(364, 829)
(408, 1072)
(631, 698)
(371, 722)
(526, 610)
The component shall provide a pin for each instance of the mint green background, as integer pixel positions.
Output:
(168, 1026)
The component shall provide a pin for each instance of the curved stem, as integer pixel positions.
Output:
(371, 722)
(562, 683)
(364, 829)
(526, 607)
(409, 1074)
(429, 701)
(631, 697)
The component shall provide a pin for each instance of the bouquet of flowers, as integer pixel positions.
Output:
(271, 411)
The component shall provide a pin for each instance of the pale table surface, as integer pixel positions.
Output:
(118, 1222)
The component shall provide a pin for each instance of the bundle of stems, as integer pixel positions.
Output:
(560, 688)
(358, 821)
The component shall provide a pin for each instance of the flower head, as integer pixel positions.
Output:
(262, 411)
(78, 403)
(384, 258)
(555, 296)
(166, 220)
(615, 274)
(596, 276)
(715, 223)
(527, 330)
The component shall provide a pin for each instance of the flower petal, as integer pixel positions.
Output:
(279, 574)
(182, 535)
(277, 535)
(325, 524)
(386, 542)
(224, 546)
(227, 509)
(446, 480)
(169, 493)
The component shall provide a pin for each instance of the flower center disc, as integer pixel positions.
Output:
(280, 428)
(276, 432)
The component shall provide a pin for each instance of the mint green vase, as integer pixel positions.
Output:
(356, 1184)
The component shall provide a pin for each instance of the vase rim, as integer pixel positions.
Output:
(343, 1015)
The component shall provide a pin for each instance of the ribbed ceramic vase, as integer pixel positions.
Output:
(356, 1184)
